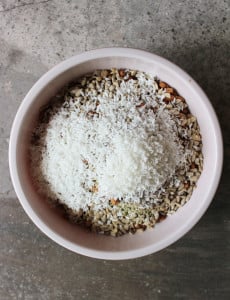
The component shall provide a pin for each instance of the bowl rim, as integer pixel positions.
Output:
(51, 75)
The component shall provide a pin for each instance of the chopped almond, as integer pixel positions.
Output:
(114, 201)
(121, 72)
(169, 90)
(162, 84)
(180, 98)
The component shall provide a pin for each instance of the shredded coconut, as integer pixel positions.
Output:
(112, 142)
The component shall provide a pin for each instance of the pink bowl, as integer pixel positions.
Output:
(76, 238)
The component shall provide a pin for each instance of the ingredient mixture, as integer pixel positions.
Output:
(118, 149)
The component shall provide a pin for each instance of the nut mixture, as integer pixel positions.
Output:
(121, 217)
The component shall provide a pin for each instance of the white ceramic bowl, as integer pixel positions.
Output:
(76, 238)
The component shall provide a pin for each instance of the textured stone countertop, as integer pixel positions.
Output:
(34, 36)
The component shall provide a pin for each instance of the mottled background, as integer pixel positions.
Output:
(34, 36)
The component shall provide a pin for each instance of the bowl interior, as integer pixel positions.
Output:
(76, 238)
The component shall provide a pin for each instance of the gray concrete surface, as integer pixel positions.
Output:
(34, 36)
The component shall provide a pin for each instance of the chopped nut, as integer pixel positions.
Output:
(121, 73)
(185, 111)
(180, 98)
(162, 84)
(196, 137)
(76, 91)
(167, 99)
(114, 201)
(104, 73)
(170, 90)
